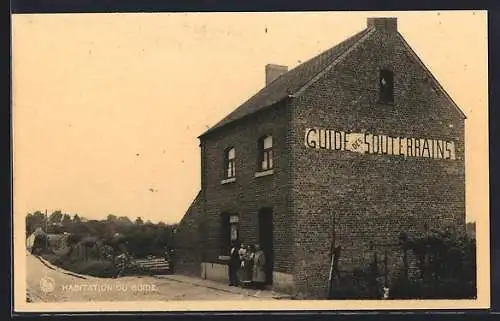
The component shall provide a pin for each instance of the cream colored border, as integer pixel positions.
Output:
(483, 300)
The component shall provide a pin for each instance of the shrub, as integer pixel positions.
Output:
(92, 267)
(59, 260)
(361, 283)
(40, 244)
(446, 262)
(444, 289)
(446, 269)
(53, 259)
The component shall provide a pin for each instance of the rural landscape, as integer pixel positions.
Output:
(91, 246)
(117, 247)
(73, 259)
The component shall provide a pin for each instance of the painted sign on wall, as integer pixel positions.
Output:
(367, 143)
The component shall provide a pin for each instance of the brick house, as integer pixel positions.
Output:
(347, 150)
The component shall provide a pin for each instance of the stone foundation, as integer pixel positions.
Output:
(214, 272)
(282, 282)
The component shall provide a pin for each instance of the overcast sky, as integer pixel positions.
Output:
(107, 107)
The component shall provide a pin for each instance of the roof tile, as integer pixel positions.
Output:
(288, 83)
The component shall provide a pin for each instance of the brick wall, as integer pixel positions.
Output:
(187, 256)
(248, 193)
(360, 198)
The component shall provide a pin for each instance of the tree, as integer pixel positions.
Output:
(111, 218)
(66, 219)
(124, 220)
(56, 217)
(98, 228)
(40, 243)
(446, 262)
(29, 224)
(34, 221)
(139, 221)
(55, 228)
(76, 218)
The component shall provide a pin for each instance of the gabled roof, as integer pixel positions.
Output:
(431, 76)
(290, 82)
(295, 81)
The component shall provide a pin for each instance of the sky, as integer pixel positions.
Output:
(107, 107)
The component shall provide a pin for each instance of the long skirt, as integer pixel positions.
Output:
(241, 274)
(248, 272)
(245, 273)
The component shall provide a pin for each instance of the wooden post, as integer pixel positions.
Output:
(330, 276)
(46, 231)
(332, 258)
(386, 272)
(405, 262)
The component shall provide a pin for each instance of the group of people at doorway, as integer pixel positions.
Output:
(247, 266)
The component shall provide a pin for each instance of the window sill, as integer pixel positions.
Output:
(228, 180)
(223, 257)
(265, 173)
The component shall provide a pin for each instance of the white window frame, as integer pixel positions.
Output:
(230, 163)
(265, 162)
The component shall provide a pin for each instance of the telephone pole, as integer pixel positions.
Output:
(46, 231)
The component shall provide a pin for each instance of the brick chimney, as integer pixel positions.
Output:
(383, 24)
(274, 71)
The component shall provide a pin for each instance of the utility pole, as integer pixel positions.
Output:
(46, 231)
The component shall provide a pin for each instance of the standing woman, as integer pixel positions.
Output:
(249, 265)
(241, 268)
(246, 264)
(259, 268)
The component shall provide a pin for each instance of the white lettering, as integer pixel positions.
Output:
(366, 143)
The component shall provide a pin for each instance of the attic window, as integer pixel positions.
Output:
(386, 86)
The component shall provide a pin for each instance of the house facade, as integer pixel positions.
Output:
(348, 150)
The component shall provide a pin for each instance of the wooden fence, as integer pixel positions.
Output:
(155, 265)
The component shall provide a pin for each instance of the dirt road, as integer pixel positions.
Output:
(46, 284)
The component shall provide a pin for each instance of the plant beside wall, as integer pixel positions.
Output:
(443, 267)
(446, 267)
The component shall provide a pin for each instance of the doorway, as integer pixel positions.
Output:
(266, 240)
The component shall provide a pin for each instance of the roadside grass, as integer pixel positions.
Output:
(92, 267)
(98, 268)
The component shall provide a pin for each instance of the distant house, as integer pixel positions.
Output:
(30, 241)
(57, 241)
(54, 241)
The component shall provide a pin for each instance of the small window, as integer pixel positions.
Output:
(265, 161)
(229, 230)
(386, 85)
(234, 221)
(229, 163)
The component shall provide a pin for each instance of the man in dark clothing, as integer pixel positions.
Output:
(234, 265)
(120, 264)
(169, 258)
